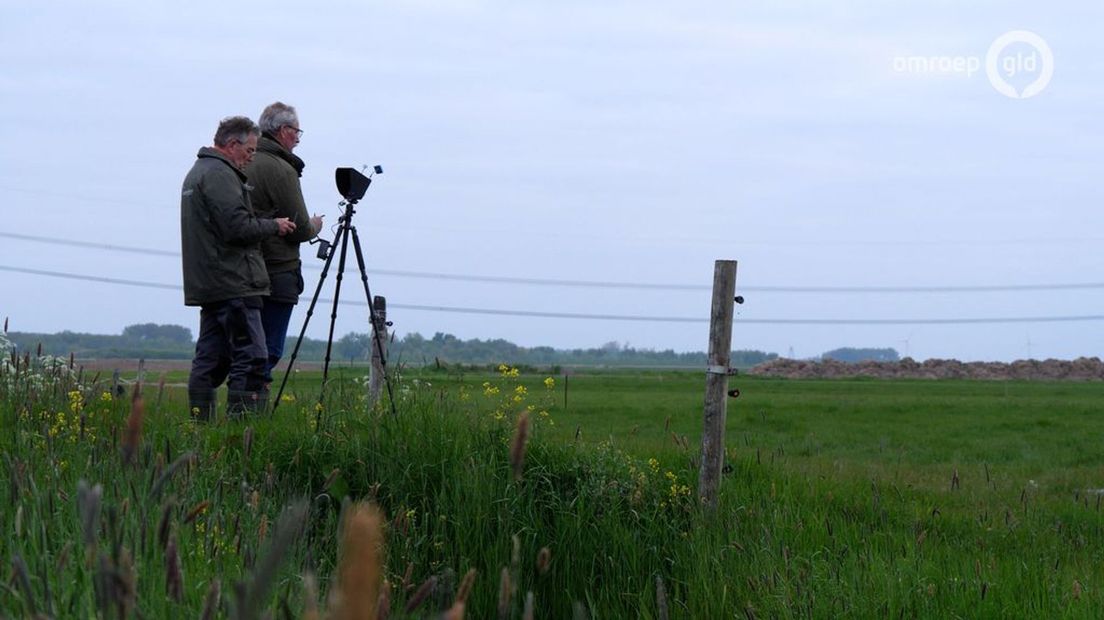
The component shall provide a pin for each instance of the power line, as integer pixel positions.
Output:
(85, 278)
(606, 317)
(614, 284)
(893, 243)
(89, 244)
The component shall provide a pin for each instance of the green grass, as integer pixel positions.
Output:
(838, 500)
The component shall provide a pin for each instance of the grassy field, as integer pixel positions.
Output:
(844, 498)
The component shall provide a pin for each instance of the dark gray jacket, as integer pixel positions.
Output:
(274, 175)
(220, 235)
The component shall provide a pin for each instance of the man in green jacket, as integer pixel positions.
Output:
(274, 175)
(224, 272)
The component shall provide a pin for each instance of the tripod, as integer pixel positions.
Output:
(352, 185)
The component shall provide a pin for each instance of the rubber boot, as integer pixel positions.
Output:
(261, 404)
(201, 404)
(241, 403)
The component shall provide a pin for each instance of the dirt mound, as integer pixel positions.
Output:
(1080, 369)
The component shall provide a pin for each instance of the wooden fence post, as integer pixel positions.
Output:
(141, 375)
(379, 327)
(716, 381)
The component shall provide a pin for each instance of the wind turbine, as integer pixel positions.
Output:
(907, 340)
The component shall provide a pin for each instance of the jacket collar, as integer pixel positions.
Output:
(211, 153)
(268, 144)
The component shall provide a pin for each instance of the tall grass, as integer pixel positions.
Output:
(118, 512)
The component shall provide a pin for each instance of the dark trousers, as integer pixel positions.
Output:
(286, 287)
(275, 317)
(230, 347)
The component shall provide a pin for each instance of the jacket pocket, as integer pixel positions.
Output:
(286, 286)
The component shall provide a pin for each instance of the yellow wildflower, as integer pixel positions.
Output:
(76, 401)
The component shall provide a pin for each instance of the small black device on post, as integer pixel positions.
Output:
(351, 184)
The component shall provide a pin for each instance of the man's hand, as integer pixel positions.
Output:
(286, 226)
(316, 223)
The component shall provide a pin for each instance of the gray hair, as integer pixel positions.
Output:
(276, 116)
(235, 128)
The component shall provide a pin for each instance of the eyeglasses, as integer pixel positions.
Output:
(298, 132)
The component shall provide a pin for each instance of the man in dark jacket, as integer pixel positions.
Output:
(224, 273)
(274, 175)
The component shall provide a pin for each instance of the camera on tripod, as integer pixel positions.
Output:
(351, 184)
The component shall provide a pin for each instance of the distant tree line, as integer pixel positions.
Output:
(147, 340)
(153, 341)
(848, 354)
(417, 350)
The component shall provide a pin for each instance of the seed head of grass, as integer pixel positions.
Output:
(466, 584)
(23, 581)
(383, 609)
(544, 560)
(133, 429)
(310, 596)
(517, 447)
(504, 590)
(89, 501)
(661, 599)
(251, 595)
(361, 569)
(527, 614)
(456, 612)
(174, 578)
(211, 602)
(420, 595)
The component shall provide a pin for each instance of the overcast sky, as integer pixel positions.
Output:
(631, 142)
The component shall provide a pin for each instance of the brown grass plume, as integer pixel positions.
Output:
(360, 572)
(517, 448)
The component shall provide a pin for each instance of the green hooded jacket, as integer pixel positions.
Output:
(274, 175)
(220, 234)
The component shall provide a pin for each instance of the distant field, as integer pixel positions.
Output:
(917, 432)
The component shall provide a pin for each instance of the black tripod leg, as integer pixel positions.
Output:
(310, 312)
(333, 314)
(373, 318)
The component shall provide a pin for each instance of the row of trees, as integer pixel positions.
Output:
(418, 350)
(148, 340)
(153, 341)
(848, 354)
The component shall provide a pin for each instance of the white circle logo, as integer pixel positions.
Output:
(1038, 61)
